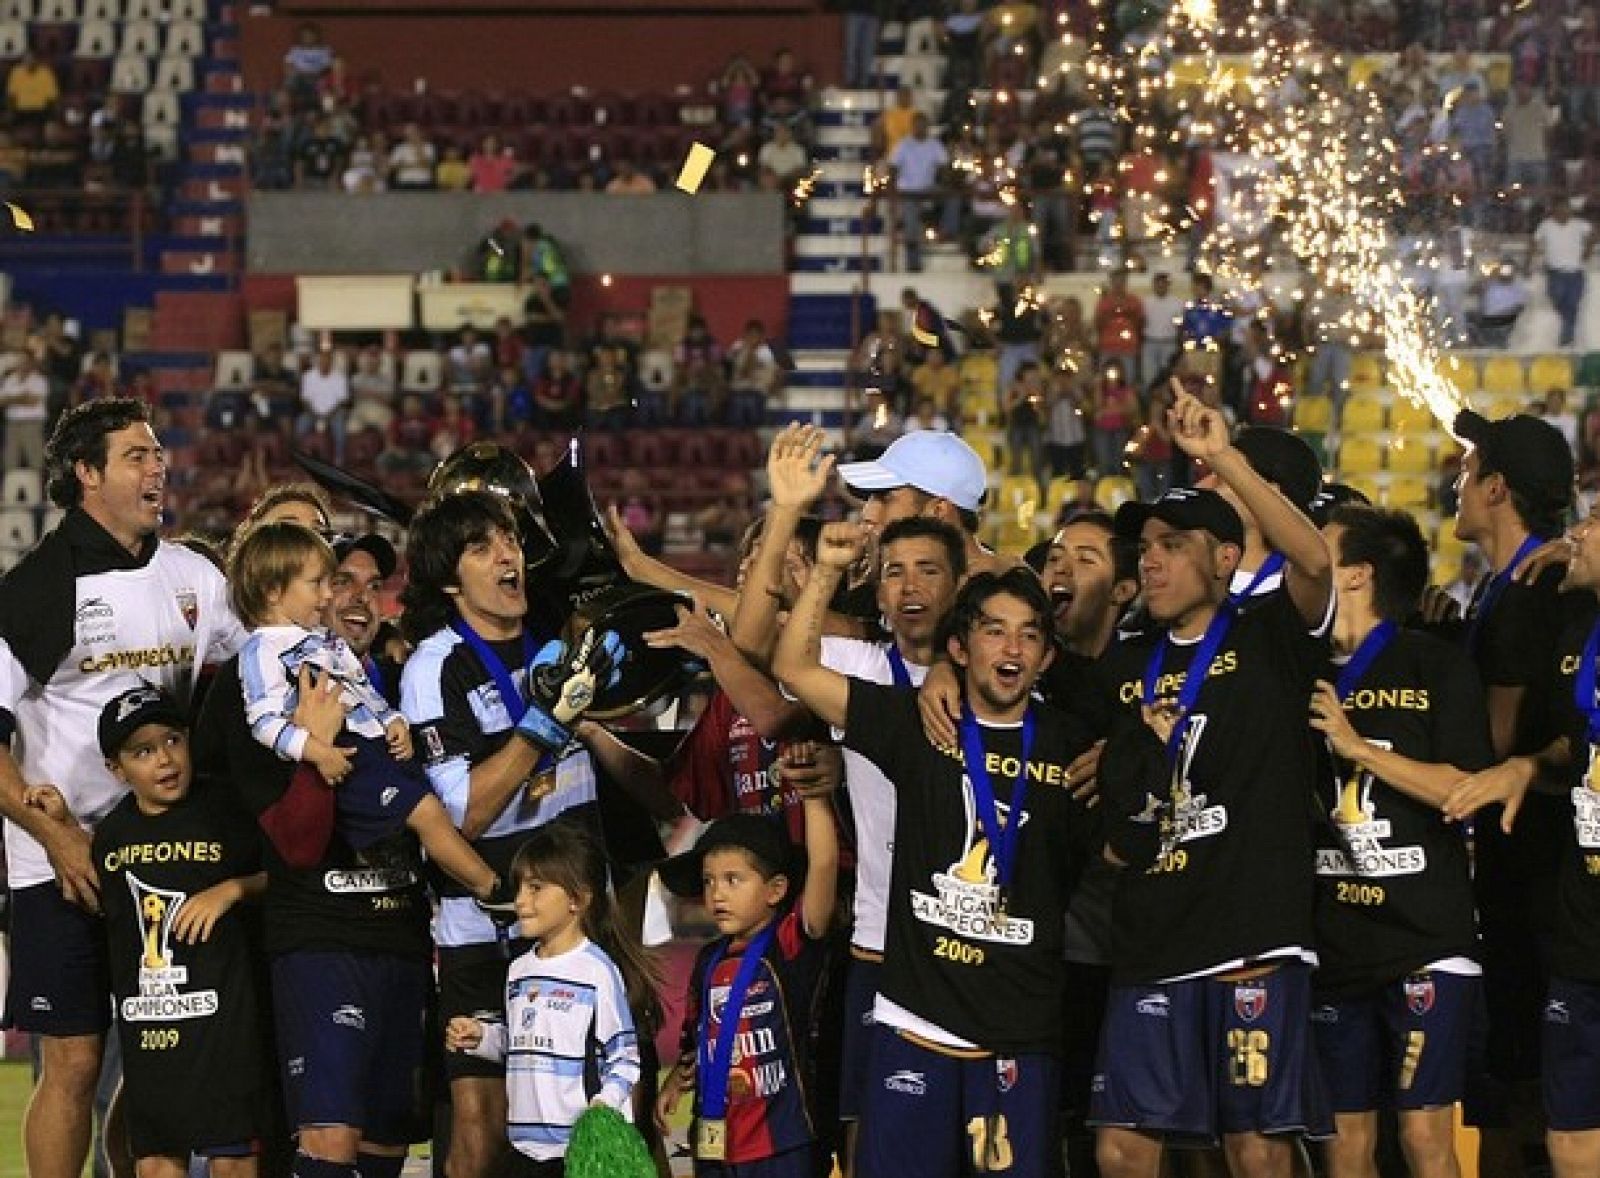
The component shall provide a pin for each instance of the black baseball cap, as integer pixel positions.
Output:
(1333, 496)
(1284, 459)
(1189, 509)
(131, 711)
(375, 546)
(764, 838)
(1528, 452)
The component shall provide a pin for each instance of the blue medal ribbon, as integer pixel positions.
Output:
(1002, 838)
(1583, 687)
(516, 706)
(716, 1060)
(374, 675)
(1497, 586)
(1195, 678)
(897, 667)
(1271, 565)
(1365, 655)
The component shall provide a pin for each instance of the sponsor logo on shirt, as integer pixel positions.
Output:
(907, 1083)
(350, 1015)
(41, 1004)
(189, 606)
(968, 899)
(1586, 804)
(143, 659)
(1363, 831)
(161, 997)
(1419, 994)
(1555, 1011)
(1154, 1006)
(96, 622)
(388, 795)
(370, 879)
(1249, 1000)
(1006, 1074)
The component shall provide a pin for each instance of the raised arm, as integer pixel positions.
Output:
(753, 694)
(647, 570)
(1202, 432)
(797, 661)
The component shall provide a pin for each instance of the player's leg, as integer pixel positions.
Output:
(399, 990)
(472, 982)
(1428, 1016)
(1574, 1155)
(1256, 1155)
(860, 990)
(114, 1134)
(60, 1119)
(911, 1117)
(166, 1167)
(1572, 1077)
(1351, 1153)
(1127, 1153)
(477, 1126)
(1349, 1050)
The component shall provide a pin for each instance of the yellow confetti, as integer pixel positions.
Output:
(20, 218)
(695, 168)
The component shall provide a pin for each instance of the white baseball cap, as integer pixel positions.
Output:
(932, 461)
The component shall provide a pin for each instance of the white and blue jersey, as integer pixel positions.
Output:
(269, 671)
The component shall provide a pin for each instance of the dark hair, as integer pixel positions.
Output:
(970, 520)
(80, 436)
(1124, 553)
(439, 534)
(566, 855)
(1019, 581)
(1391, 543)
(922, 526)
(1543, 517)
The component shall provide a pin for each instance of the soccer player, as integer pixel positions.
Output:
(1397, 984)
(98, 606)
(175, 863)
(498, 730)
(1515, 488)
(1207, 781)
(986, 847)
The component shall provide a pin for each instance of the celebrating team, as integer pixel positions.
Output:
(1220, 830)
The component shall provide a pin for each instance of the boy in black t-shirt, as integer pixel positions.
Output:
(988, 843)
(173, 866)
(1207, 786)
(1404, 718)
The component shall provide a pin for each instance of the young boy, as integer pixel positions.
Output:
(278, 576)
(173, 865)
(749, 1009)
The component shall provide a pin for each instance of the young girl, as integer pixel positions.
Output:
(568, 1039)
(278, 579)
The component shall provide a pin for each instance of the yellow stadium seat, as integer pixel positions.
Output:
(1409, 416)
(1018, 496)
(1363, 69)
(980, 372)
(1498, 74)
(985, 446)
(1060, 490)
(1550, 372)
(1504, 374)
(1411, 456)
(978, 407)
(1504, 405)
(1313, 415)
(1366, 372)
(1408, 494)
(1462, 372)
(1360, 456)
(1015, 537)
(1363, 415)
(1113, 491)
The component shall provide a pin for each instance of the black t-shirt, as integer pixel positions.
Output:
(371, 902)
(949, 958)
(1576, 949)
(1394, 892)
(194, 1049)
(1238, 882)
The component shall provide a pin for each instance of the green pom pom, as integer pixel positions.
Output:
(604, 1145)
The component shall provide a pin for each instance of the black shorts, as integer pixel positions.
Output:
(60, 976)
(472, 982)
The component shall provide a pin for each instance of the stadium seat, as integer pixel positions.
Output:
(16, 10)
(56, 11)
(1059, 492)
(1017, 495)
(10, 556)
(1366, 484)
(234, 370)
(187, 10)
(981, 371)
(13, 39)
(142, 10)
(1360, 455)
(655, 370)
(1462, 372)
(1503, 374)
(130, 75)
(986, 446)
(977, 406)
(1550, 372)
(1363, 415)
(162, 140)
(1313, 414)
(185, 38)
(1410, 417)
(1412, 455)
(17, 527)
(174, 73)
(1589, 371)
(1366, 373)
(1014, 537)
(140, 38)
(1408, 494)
(101, 10)
(161, 109)
(423, 372)
(1112, 491)
(1504, 405)
(96, 39)
(23, 487)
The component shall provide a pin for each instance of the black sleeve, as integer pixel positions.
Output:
(258, 776)
(1517, 640)
(1459, 712)
(1133, 771)
(883, 725)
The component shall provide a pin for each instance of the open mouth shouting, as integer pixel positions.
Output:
(1008, 674)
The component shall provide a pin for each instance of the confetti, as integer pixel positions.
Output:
(20, 217)
(695, 168)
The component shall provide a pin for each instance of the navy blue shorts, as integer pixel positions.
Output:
(380, 793)
(60, 977)
(472, 982)
(1402, 1047)
(1572, 1055)
(860, 991)
(792, 1163)
(351, 1038)
(1200, 1059)
(939, 1116)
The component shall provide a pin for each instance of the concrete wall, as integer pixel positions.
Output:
(409, 233)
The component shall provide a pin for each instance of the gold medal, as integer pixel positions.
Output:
(711, 1140)
(540, 786)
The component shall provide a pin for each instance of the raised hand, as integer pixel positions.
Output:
(797, 469)
(1199, 430)
(841, 545)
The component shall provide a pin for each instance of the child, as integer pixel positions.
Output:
(569, 1026)
(746, 1025)
(173, 865)
(278, 579)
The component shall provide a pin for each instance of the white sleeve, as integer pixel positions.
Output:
(266, 697)
(494, 1042)
(619, 1043)
(228, 634)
